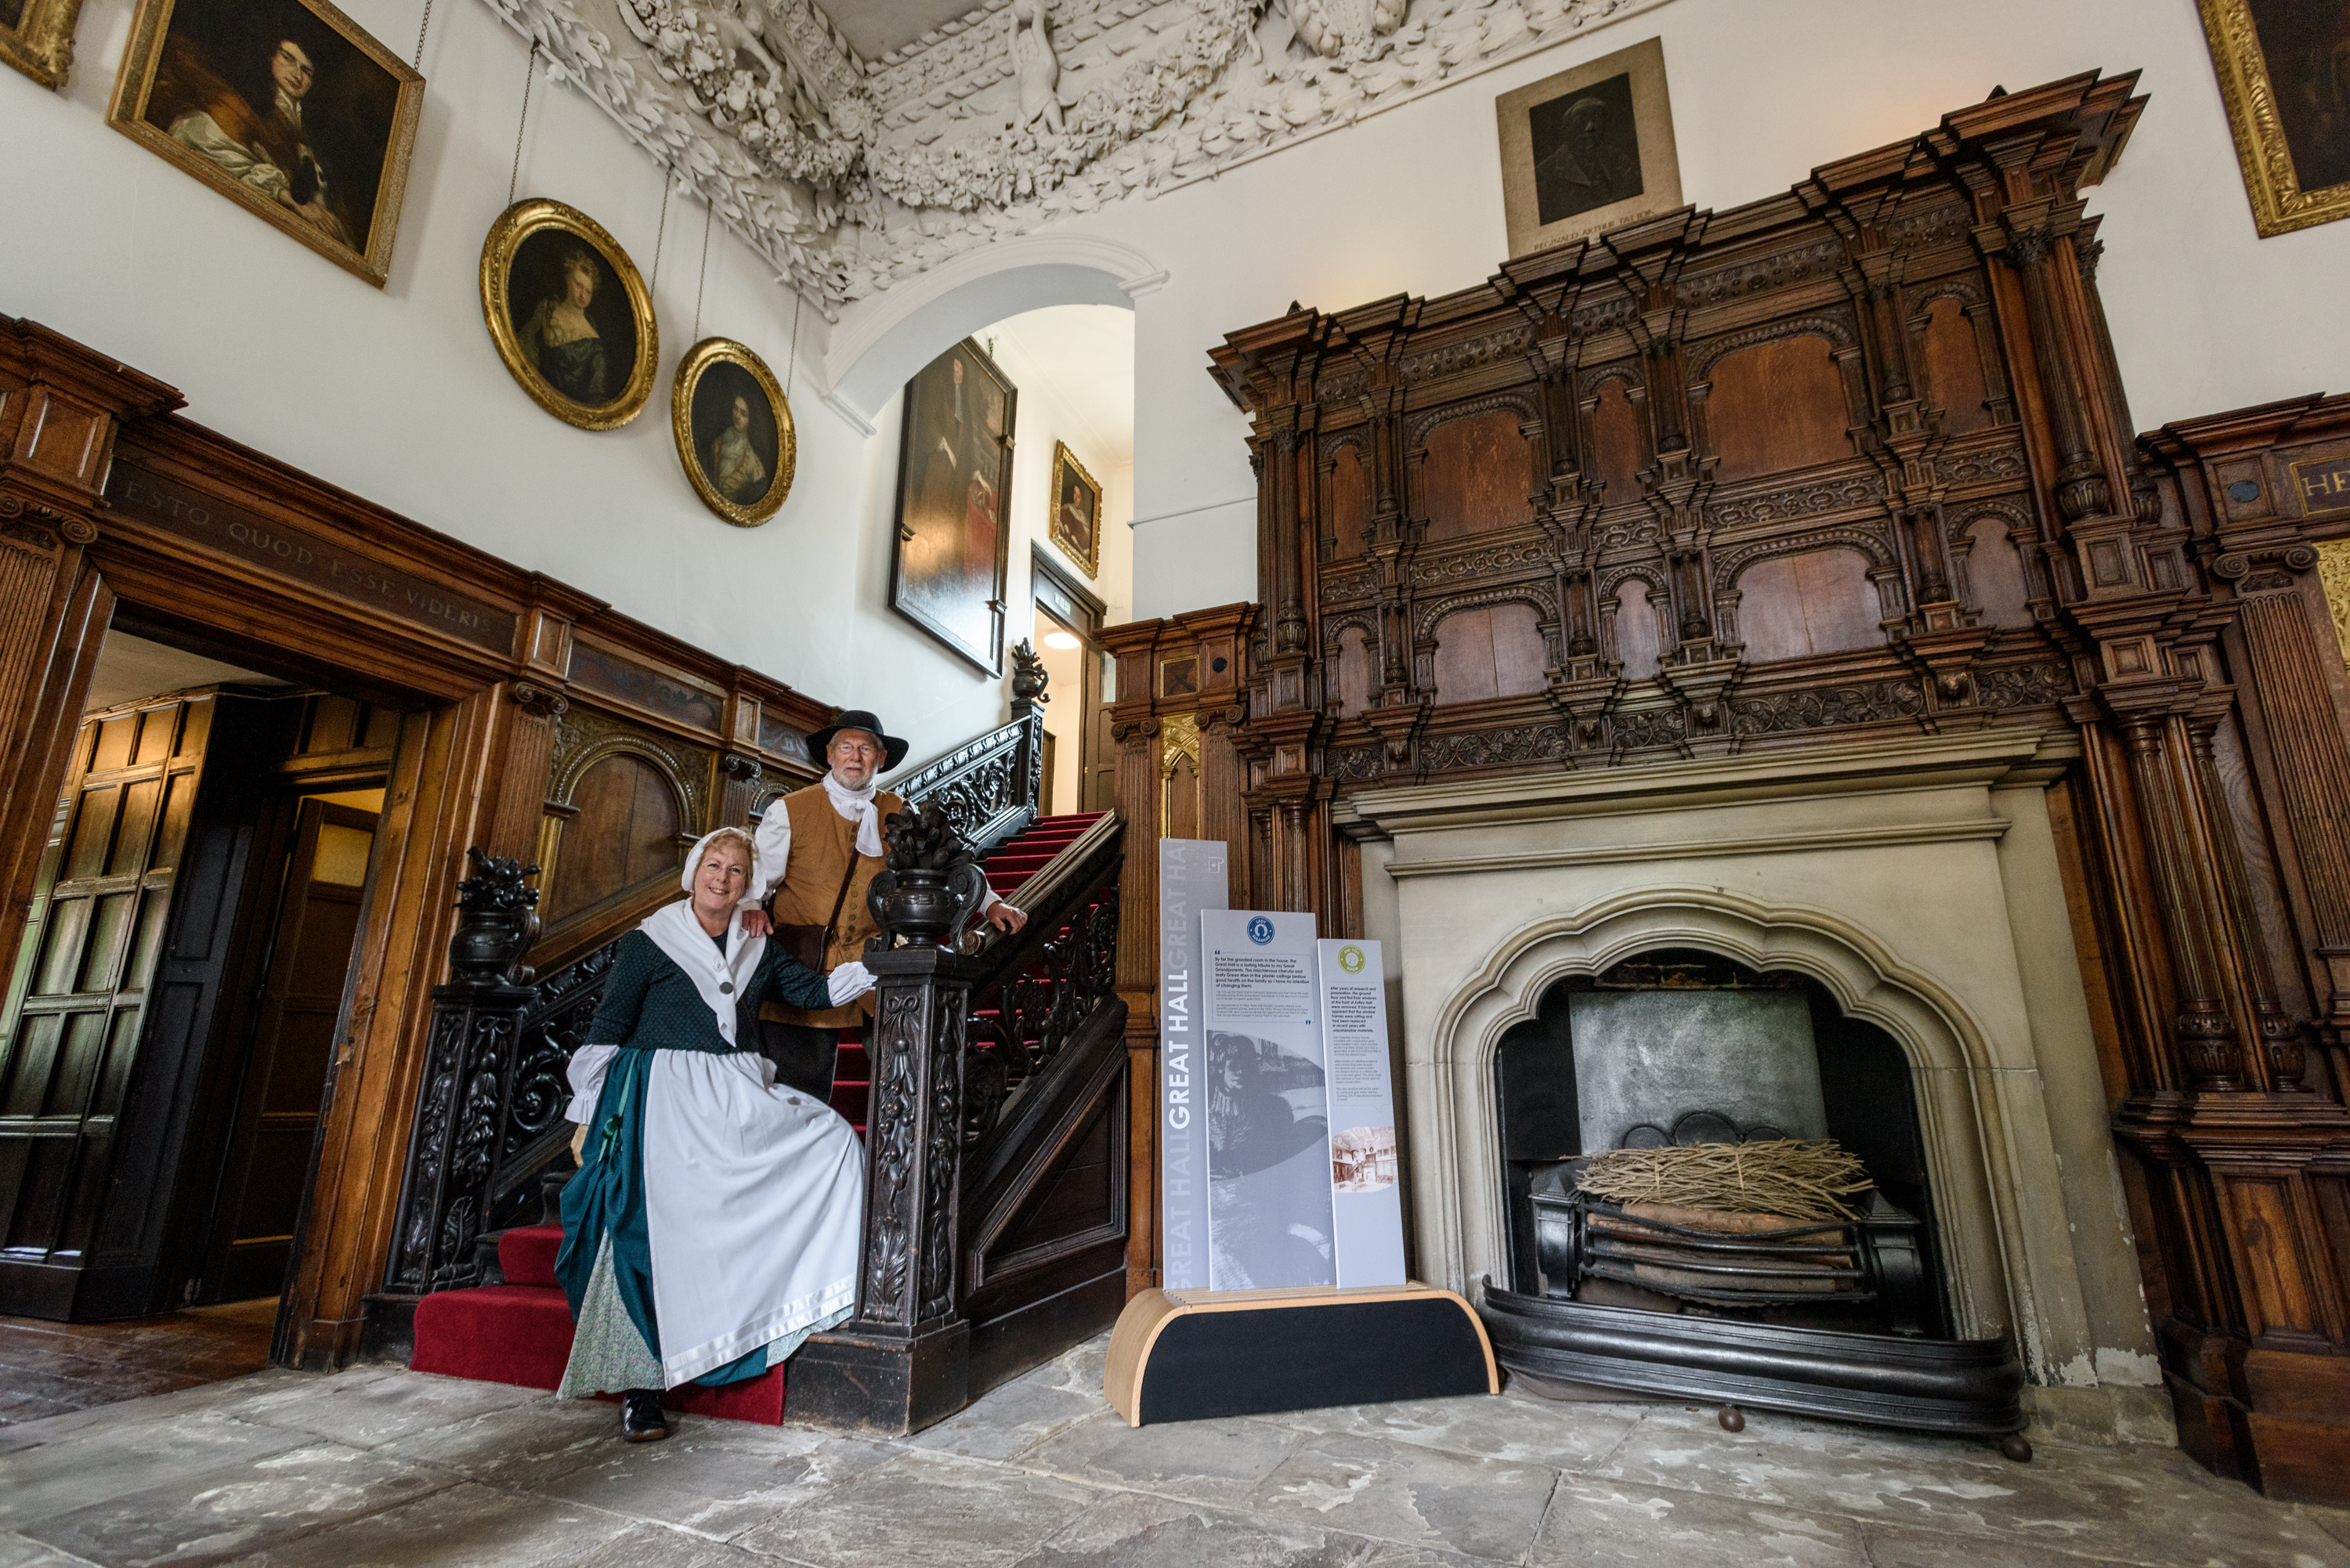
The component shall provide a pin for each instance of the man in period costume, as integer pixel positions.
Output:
(259, 139)
(819, 849)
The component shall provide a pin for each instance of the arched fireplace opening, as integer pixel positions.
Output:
(1678, 1045)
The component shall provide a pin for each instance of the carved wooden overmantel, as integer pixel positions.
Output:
(1853, 462)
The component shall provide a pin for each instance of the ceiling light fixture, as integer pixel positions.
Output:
(1062, 639)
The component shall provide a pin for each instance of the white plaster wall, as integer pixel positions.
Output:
(398, 395)
(2205, 315)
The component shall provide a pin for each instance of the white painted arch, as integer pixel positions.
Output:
(879, 342)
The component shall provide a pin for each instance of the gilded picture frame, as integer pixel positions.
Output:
(204, 85)
(1076, 510)
(733, 429)
(38, 40)
(2284, 77)
(1588, 150)
(570, 314)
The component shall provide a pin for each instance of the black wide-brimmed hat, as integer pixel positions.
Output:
(893, 748)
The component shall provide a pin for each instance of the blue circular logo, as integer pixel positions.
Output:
(1260, 931)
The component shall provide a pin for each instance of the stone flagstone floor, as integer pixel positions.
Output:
(384, 1467)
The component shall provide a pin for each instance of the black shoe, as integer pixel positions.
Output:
(641, 1420)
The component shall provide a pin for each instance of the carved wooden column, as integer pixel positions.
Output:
(898, 1363)
(61, 408)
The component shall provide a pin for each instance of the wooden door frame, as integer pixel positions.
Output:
(1056, 590)
(111, 503)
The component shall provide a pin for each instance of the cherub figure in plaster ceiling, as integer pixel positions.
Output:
(1038, 69)
(1349, 30)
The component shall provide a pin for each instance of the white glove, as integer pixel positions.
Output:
(849, 981)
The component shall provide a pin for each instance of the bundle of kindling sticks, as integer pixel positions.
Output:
(1779, 1176)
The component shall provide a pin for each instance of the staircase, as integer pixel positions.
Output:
(1043, 1084)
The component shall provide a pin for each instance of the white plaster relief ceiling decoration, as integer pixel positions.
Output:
(851, 174)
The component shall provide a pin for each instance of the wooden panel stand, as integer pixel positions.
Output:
(1187, 1356)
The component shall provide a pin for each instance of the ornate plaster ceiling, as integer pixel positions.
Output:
(852, 174)
(874, 27)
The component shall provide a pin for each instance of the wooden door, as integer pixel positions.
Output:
(290, 1048)
(70, 1034)
(1098, 791)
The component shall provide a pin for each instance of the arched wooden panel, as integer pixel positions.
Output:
(1348, 503)
(1477, 476)
(1493, 650)
(1620, 442)
(1793, 606)
(1182, 798)
(1640, 643)
(1359, 669)
(625, 834)
(1775, 406)
(1996, 572)
(1954, 375)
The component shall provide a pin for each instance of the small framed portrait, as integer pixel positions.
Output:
(282, 105)
(1588, 150)
(1076, 510)
(570, 314)
(2285, 76)
(954, 472)
(734, 431)
(37, 37)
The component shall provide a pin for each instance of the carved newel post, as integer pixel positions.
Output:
(468, 1078)
(900, 1363)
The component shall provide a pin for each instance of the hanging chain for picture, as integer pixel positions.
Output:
(704, 281)
(660, 235)
(514, 180)
(792, 363)
(421, 28)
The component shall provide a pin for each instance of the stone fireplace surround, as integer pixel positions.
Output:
(1918, 880)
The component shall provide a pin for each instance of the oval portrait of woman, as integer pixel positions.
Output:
(734, 431)
(570, 314)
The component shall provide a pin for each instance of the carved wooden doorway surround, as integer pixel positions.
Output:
(111, 504)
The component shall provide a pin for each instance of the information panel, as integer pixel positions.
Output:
(1267, 1103)
(1190, 879)
(1366, 1198)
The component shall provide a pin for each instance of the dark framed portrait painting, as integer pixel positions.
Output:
(734, 431)
(1076, 510)
(570, 314)
(37, 37)
(1588, 150)
(954, 472)
(2284, 75)
(285, 105)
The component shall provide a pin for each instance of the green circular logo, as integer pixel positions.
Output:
(1351, 960)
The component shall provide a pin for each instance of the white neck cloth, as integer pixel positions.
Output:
(718, 976)
(857, 805)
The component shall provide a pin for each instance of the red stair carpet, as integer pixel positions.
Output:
(520, 1331)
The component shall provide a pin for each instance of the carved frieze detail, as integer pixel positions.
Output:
(1347, 585)
(1982, 465)
(1467, 354)
(1467, 565)
(1860, 703)
(1849, 492)
(1495, 748)
(1821, 258)
(2023, 685)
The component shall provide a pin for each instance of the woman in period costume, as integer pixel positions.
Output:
(735, 466)
(713, 1224)
(561, 341)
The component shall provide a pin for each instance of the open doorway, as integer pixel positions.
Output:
(1080, 764)
(168, 1037)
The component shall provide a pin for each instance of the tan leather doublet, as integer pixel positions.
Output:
(823, 844)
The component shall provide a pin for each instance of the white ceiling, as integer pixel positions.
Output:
(1086, 353)
(874, 27)
(131, 668)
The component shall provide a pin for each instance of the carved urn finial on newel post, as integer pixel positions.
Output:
(901, 1363)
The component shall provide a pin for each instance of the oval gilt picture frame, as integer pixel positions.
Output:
(570, 314)
(733, 429)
